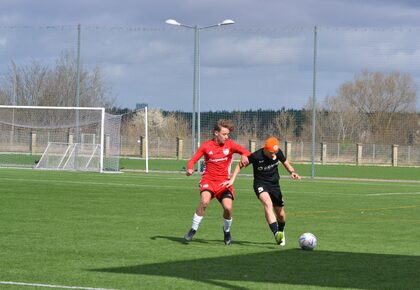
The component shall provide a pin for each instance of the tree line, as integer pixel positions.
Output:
(373, 107)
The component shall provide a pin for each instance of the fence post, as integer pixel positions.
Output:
(394, 155)
(288, 148)
(179, 148)
(142, 147)
(12, 134)
(252, 145)
(107, 145)
(71, 137)
(323, 153)
(32, 144)
(359, 153)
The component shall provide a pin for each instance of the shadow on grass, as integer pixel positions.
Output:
(207, 241)
(294, 266)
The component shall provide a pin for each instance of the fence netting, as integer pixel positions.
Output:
(361, 83)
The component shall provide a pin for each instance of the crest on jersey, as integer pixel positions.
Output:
(226, 151)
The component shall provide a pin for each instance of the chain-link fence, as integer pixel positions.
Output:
(362, 84)
(169, 136)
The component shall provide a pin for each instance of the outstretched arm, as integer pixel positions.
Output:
(190, 166)
(230, 182)
(291, 170)
(244, 154)
(244, 161)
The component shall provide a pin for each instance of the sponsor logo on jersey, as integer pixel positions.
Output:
(210, 152)
(268, 167)
(218, 159)
(260, 189)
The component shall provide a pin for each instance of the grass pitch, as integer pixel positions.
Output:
(124, 231)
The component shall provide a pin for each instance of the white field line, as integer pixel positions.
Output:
(238, 187)
(50, 286)
(372, 182)
(359, 180)
(91, 182)
(394, 193)
(361, 210)
(352, 193)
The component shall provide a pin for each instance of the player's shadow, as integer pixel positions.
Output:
(207, 241)
(293, 267)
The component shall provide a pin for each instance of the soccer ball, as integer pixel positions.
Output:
(307, 241)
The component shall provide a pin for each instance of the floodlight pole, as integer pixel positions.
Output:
(78, 85)
(197, 84)
(196, 81)
(313, 107)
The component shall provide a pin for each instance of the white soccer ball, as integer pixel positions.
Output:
(307, 241)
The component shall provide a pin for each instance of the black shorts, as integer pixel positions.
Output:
(273, 190)
(226, 194)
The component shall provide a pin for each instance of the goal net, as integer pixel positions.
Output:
(83, 157)
(70, 138)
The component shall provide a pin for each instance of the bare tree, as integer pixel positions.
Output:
(159, 125)
(284, 125)
(176, 126)
(373, 101)
(341, 121)
(37, 85)
(307, 126)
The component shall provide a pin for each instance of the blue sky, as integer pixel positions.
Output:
(264, 60)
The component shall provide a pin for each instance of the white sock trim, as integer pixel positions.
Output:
(196, 221)
(227, 224)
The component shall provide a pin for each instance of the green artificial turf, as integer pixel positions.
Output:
(124, 231)
(327, 170)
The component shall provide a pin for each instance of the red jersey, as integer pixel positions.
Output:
(217, 158)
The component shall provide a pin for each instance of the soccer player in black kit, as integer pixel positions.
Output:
(267, 186)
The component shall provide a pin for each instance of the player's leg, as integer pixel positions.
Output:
(205, 198)
(270, 217)
(226, 200)
(227, 203)
(280, 215)
(281, 221)
(263, 192)
(265, 199)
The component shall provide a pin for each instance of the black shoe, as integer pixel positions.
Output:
(188, 236)
(228, 238)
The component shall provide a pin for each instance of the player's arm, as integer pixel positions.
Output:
(291, 170)
(235, 173)
(190, 166)
(244, 154)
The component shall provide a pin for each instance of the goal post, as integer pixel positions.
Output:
(27, 131)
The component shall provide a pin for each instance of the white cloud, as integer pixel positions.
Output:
(265, 57)
(3, 41)
(253, 51)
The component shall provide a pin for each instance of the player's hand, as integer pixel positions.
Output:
(244, 161)
(189, 172)
(295, 176)
(227, 183)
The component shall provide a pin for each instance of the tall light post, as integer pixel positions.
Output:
(196, 81)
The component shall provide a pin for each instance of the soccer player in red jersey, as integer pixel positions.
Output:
(217, 154)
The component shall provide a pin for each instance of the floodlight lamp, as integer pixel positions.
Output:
(172, 22)
(227, 22)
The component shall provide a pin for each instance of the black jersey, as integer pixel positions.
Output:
(265, 168)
